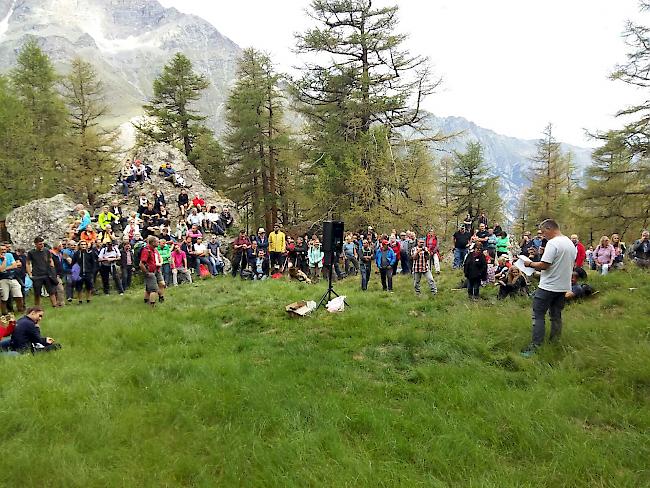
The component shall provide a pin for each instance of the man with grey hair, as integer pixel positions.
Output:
(150, 265)
(556, 266)
(641, 250)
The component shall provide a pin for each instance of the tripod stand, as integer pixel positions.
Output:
(327, 296)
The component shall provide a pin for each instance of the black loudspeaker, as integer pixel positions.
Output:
(333, 236)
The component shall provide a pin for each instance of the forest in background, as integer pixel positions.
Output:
(343, 140)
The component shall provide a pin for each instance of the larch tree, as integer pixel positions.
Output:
(256, 138)
(89, 168)
(474, 190)
(359, 76)
(35, 82)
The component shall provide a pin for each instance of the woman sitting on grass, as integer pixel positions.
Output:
(514, 284)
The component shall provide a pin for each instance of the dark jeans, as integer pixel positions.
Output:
(107, 272)
(238, 260)
(387, 278)
(544, 301)
(365, 269)
(406, 262)
(276, 258)
(127, 275)
(473, 287)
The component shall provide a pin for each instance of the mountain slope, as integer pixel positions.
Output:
(507, 157)
(127, 41)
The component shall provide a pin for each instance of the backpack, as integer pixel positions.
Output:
(247, 274)
(75, 272)
(204, 272)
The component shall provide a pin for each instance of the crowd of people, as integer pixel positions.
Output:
(114, 245)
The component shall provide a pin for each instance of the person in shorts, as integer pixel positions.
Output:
(40, 268)
(150, 265)
(9, 285)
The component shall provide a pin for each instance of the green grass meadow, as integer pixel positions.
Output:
(219, 387)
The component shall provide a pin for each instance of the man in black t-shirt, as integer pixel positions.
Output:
(40, 268)
(461, 240)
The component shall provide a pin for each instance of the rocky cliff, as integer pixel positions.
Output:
(128, 41)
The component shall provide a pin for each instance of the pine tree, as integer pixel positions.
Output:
(174, 91)
(35, 82)
(549, 179)
(16, 155)
(90, 167)
(617, 192)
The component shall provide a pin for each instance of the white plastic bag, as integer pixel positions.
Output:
(336, 305)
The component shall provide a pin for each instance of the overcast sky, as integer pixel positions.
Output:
(509, 65)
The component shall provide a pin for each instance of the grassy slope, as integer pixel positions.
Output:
(218, 386)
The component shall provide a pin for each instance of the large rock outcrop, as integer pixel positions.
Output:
(154, 155)
(50, 217)
(47, 217)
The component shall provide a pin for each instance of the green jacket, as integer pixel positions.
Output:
(503, 243)
(165, 253)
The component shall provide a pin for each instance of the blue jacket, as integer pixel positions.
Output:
(391, 257)
(85, 222)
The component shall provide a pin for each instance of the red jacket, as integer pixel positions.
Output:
(198, 202)
(581, 255)
(432, 244)
(396, 249)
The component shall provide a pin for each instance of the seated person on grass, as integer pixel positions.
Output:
(578, 290)
(514, 284)
(27, 334)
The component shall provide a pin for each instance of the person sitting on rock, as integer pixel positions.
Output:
(183, 201)
(179, 265)
(84, 218)
(194, 233)
(107, 235)
(139, 171)
(27, 334)
(194, 218)
(197, 201)
(106, 217)
(166, 170)
(226, 217)
(158, 199)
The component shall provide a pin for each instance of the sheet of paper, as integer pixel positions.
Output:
(522, 267)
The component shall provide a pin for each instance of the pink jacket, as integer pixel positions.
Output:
(604, 255)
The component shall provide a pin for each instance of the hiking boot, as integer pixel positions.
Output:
(161, 298)
(530, 350)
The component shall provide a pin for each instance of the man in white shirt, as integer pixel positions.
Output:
(556, 267)
(201, 254)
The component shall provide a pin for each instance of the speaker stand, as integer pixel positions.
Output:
(327, 296)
